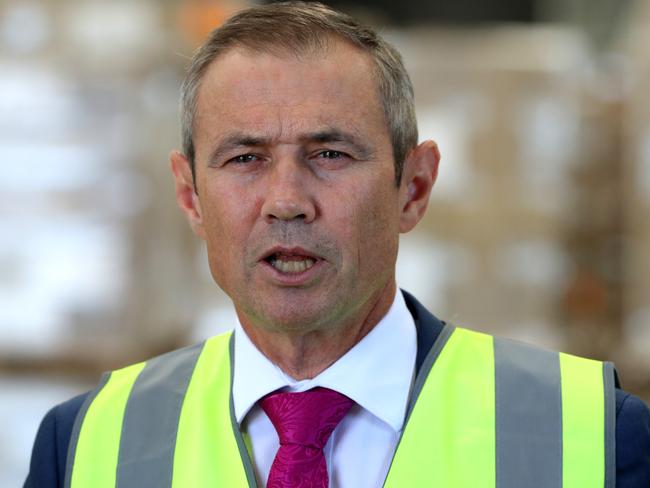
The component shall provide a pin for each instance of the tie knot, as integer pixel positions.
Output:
(307, 418)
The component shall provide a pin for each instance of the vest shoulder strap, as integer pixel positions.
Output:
(164, 423)
(492, 412)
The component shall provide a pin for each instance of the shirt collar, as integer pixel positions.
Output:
(386, 354)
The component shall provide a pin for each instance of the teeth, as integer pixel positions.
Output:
(292, 266)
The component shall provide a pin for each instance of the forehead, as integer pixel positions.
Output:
(252, 90)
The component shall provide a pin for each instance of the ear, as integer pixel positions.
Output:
(418, 176)
(186, 196)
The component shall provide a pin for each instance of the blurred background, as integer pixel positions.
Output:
(537, 228)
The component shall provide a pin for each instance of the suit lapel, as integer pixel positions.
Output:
(427, 326)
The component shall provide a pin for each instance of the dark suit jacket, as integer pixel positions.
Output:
(47, 469)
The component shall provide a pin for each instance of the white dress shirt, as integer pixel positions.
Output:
(377, 373)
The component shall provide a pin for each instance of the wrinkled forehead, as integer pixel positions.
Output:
(281, 97)
(333, 51)
(246, 80)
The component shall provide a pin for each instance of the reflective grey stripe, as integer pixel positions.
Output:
(146, 457)
(610, 425)
(528, 406)
(76, 428)
(243, 451)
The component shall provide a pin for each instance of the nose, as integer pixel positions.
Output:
(288, 194)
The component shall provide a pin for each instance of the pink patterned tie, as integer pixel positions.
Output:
(304, 422)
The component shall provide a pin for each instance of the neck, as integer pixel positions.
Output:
(305, 355)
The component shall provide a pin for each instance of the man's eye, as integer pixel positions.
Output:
(329, 154)
(244, 158)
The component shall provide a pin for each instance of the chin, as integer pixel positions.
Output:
(297, 318)
(298, 323)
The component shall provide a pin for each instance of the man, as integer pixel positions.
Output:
(300, 167)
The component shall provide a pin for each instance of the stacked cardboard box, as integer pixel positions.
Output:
(516, 216)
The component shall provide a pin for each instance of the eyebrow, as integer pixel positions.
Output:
(243, 140)
(234, 141)
(336, 135)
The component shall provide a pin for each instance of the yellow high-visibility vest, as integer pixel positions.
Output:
(485, 412)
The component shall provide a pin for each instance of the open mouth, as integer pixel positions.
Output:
(290, 262)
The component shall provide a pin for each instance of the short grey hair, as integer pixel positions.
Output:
(306, 27)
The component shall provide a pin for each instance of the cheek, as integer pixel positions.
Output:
(375, 225)
(228, 210)
(226, 229)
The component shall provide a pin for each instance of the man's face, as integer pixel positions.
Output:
(296, 189)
